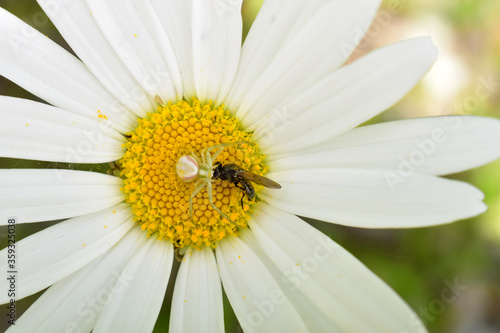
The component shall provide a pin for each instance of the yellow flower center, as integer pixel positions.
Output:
(160, 199)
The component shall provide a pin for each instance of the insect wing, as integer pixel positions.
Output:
(258, 179)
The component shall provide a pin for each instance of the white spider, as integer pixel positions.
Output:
(190, 167)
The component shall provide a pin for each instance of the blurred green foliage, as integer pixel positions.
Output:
(415, 262)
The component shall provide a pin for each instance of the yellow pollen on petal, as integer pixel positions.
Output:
(101, 116)
(160, 198)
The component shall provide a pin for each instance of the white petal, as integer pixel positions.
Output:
(334, 283)
(255, 296)
(312, 52)
(74, 303)
(217, 32)
(76, 24)
(33, 195)
(58, 251)
(437, 145)
(45, 69)
(373, 198)
(136, 307)
(152, 21)
(273, 25)
(197, 300)
(40, 315)
(130, 38)
(345, 99)
(36, 131)
(315, 320)
(176, 18)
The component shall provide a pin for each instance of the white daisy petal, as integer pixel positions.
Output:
(58, 251)
(45, 69)
(176, 20)
(36, 131)
(217, 32)
(310, 54)
(76, 24)
(34, 195)
(39, 316)
(334, 282)
(136, 307)
(152, 21)
(437, 145)
(315, 320)
(255, 296)
(136, 47)
(273, 25)
(373, 198)
(345, 99)
(197, 299)
(74, 303)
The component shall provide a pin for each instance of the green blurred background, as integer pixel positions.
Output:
(417, 263)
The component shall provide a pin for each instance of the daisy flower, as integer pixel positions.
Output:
(161, 79)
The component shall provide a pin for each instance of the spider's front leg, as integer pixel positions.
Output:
(199, 185)
(220, 147)
(193, 155)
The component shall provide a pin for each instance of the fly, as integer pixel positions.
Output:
(242, 178)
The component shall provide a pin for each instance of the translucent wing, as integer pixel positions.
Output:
(258, 179)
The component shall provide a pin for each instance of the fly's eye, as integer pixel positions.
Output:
(187, 168)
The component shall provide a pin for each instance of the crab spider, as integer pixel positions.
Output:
(190, 167)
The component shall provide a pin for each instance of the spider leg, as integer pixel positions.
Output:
(205, 153)
(211, 200)
(214, 156)
(200, 184)
(221, 147)
(208, 158)
(193, 155)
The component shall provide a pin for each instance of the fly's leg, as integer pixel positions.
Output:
(241, 200)
(239, 185)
